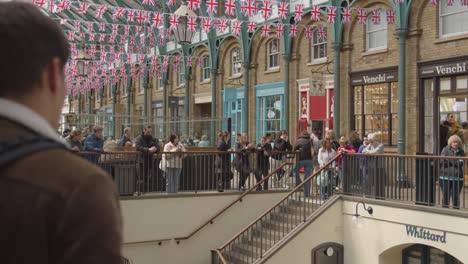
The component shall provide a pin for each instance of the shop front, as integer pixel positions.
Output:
(444, 97)
(233, 100)
(315, 105)
(374, 97)
(270, 109)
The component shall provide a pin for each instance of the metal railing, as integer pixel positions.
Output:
(423, 180)
(136, 173)
(268, 229)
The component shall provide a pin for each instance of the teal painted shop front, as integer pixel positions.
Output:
(270, 109)
(233, 100)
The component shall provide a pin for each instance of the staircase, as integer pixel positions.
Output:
(255, 241)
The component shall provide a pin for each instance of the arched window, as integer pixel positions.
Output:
(205, 70)
(318, 44)
(453, 20)
(273, 54)
(376, 32)
(236, 62)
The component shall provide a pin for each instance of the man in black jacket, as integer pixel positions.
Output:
(149, 146)
(304, 146)
(281, 144)
(263, 164)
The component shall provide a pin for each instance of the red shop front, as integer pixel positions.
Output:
(315, 105)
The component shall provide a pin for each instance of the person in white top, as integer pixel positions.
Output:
(325, 155)
(171, 163)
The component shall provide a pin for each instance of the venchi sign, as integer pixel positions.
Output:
(420, 232)
(373, 77)
(443, 68)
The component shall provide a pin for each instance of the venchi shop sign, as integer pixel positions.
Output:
(443, 68)
(422, 233)
(372, 78)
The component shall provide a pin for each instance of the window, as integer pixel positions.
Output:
(270, 115)
(319, 44)
(205, 71)
(141, 86)
(273, 54)
(376, 36)
(375, 111)
(453, 19)
(236, 62)
(180, 74)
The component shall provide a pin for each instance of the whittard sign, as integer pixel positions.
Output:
(419, 232)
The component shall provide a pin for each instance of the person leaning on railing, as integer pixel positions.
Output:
(325, 154)
(94, 143)
(263, 150)
(451, 172)
(148, 145)
(223, 162)
(376, 171)
(241, 161)
(74, 139)
(171, 163)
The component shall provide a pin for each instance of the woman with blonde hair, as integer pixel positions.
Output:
(326, 154)
(451, 172)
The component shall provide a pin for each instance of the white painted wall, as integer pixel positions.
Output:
(176, 216)
(374, 239)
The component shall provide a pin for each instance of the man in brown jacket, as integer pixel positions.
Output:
(55, 207)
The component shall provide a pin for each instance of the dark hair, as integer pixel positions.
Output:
(283, 132)
(172, 137)
(223, 134)
(29, 42)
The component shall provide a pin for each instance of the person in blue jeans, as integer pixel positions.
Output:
(451, 172)
(304, 146)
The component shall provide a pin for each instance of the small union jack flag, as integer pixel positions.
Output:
(77, 25)
(308, 32)
(100, 11)
(376, 16)
(39, 3)
(266, 9)
(102, 38)
(249, 8)
(251, 27)
(206, 24)
(222, 25)
(90, 27)
(189, 61)
(122, 39)
(174, 21)
(331, 14)
(236, 27)
(265, 30)
(130, 15)
(212, 6)
(346, 15)
(299, 12)
(279, 30)
(91, 37)
(115, 28)
(118, 13)
(112, 39)
(148, 2)
(230, 7)
(132, 40)
(390, 16)
(139, 17)
(192, 24)
(361, 15)
(283, 10)
(293, 30)
(322, 33)
(156, 19)
(102, 27)
(193, 4)
(315, 13)
(200, 61)
(64, 5)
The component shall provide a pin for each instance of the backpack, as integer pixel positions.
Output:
(16, 148)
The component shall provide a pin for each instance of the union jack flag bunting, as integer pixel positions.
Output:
(82, 35)
(230, 6)
(236, 27)
(142, 59)
(390, 16)
(283, 10)
(156, 19)
(346, 13)
(200, 61)
(315, 13)
(376, 16)
(251, 27)
(212, 6)
(266, 9)
(102, 27)
(174, 21)
(77, 25)
(122, 39)
(71, 35)
(322, 33)
(118, 13)
(249, 8)
(148, 50)
(90, 27)
(132, 40)
(193, 4)
(39, 3)
(361, 15)
(102, 38)
(130, 15)
(192, 24)
(112, 39)
(100, 11)
(265, 30)
(147, 17)
(83, 7)
(51, 6)
(189, 61)
(63, 5)
(139, 17)
(279, 30)
(148, 2)
(91, 37)
(142, 40)
(299, 12)
(331, 14)
(307, 32)
(293, 31)
(206, 24)
(222, 25)
(115, 28)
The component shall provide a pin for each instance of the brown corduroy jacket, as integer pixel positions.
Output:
(56, 207)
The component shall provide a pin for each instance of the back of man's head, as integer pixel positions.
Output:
(29, 42)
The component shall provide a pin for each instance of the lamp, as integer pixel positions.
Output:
(368, 209)
(182, 33)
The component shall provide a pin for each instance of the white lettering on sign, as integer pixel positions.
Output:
(459, 67)
(375, 79)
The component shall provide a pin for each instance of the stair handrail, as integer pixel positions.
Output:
(314, 175)
(239, 199)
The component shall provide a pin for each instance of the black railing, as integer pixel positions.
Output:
(136, 173)
(424, 180)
